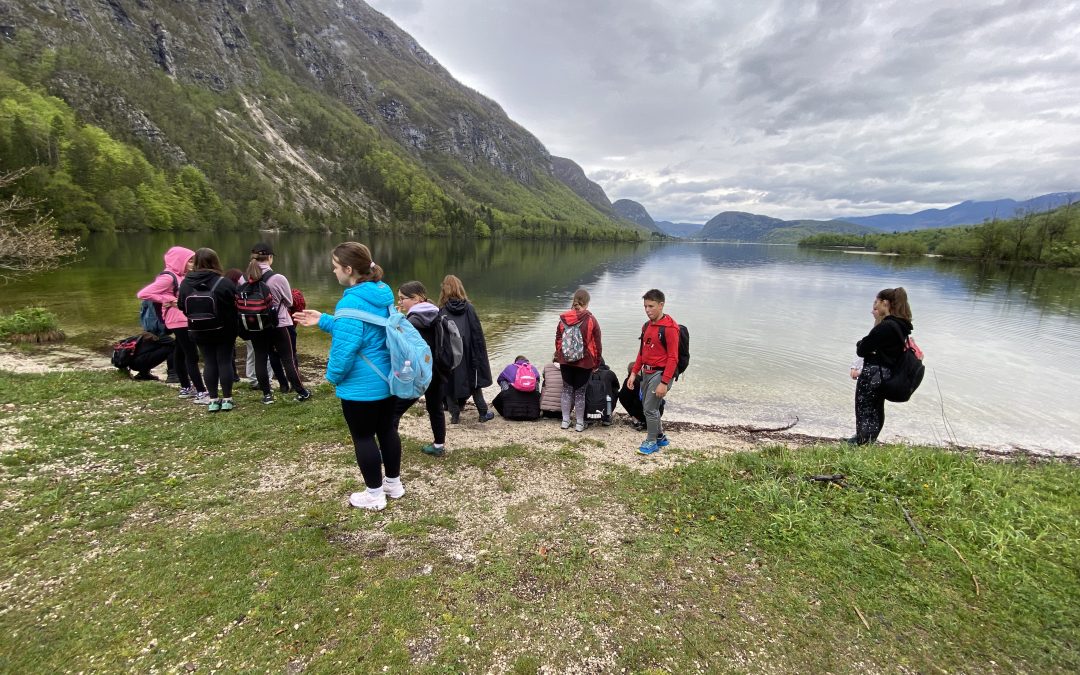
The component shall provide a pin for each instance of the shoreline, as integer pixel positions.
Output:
(695, 436)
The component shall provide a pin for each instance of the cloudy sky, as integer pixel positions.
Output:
(787, 108)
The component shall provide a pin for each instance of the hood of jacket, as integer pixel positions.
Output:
(425, 312)
(457, 306)
(573, 316)
(202, 279)
(904, 324)
(176, 259)
(375, 293)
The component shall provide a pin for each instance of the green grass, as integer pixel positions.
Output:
(140, 533)
(28, 321)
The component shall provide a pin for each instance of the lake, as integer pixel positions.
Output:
(773, 328)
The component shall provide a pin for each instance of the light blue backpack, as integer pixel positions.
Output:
(405, 344)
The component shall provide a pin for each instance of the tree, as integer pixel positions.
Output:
(29, 241)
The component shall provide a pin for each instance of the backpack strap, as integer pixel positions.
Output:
(366, 317)
(175, 281)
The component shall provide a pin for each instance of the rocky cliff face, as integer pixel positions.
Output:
(568, 171)
(264, 52)
(635, 213)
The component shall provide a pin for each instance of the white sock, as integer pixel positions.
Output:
(375, 492)
(437, 445)
(392, 481)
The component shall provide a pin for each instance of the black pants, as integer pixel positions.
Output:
(187, 361)
(275, 341)
(433, 401)
(454, 405)
(368, 420)
(217, 367)
(149, 354)
(869, 403)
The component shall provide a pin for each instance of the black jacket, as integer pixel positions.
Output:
(474, 371)
(884, 344)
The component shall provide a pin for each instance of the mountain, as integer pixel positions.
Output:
(573, 176)
(749, 227)
(635, 213)
(300, 113)
(965, 213)
(681, 230)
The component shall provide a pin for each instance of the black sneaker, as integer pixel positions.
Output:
(487, 417)
(455, 418)
(268, 399)
(304, 395)
(171, 378)
(285, 389)
(146, 376)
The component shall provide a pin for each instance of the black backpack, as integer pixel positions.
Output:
(123, 352)
(684, 345)
(449, 348)
(256, 306)
(906, 374)
(201, 310)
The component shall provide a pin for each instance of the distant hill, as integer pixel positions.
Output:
(683, 230)
(635, 213)
(750, 227)
(573, 176)
(965, 213)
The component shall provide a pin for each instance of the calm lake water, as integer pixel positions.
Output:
(773, 328)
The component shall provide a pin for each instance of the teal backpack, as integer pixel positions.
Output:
(406, 345)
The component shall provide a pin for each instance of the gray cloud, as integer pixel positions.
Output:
(789, 108)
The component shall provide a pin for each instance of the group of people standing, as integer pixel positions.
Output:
(359, 358)
(197, 301)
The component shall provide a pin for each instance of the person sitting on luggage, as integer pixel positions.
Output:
(631, 400)
(519, 398)
(150, 352)
(510, 377)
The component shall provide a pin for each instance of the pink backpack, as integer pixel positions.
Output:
(525, 379)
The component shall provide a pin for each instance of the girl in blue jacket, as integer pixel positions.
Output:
(365, 396)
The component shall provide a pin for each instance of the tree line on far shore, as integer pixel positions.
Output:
(1044, 238)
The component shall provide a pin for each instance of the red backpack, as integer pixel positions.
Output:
(525, 378)
(299, 303)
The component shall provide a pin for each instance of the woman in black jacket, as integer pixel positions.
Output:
(424, 316)
(474, 371)
(208, 298)
(881, 350)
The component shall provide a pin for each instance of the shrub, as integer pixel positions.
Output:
(31, 324)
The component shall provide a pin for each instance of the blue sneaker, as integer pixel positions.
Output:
(662, 441)
(648, 448)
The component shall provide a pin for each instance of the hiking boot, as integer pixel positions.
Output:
(487, 417)
(186, 392)
(214, 406)
(648, 448)
(227, 405)
(365, 500)
(430, 449)
(393, 490)
(579, 427)
(565, 424)
(146, 377)
(662, 441)
(268, 399)
(202, 398)
(304, 395)
(171, 378)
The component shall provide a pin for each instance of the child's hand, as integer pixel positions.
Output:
(855, 373)
(307, 317)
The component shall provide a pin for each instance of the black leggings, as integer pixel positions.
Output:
(368, 420)
(433, 401)
(275, 341)
(454, 405)
(217, 362)
(187, 361)
(869, 403)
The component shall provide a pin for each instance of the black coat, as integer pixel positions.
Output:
(474, 371)
(884, 344)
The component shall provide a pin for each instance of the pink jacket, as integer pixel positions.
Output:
(162, 289)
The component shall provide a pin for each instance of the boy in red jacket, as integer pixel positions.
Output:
(656, 362)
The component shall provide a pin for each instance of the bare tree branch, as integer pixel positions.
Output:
(29, 241)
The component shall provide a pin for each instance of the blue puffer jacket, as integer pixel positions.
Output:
(353, 377)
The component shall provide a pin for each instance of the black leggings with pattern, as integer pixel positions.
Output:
(869, 403)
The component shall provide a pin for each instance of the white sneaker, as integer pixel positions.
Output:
(365, 500)
(565, 425)
(202, 398)
(393, 490)
(579, 427)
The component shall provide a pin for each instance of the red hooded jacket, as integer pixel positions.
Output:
(653, 355)
(590, 333)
